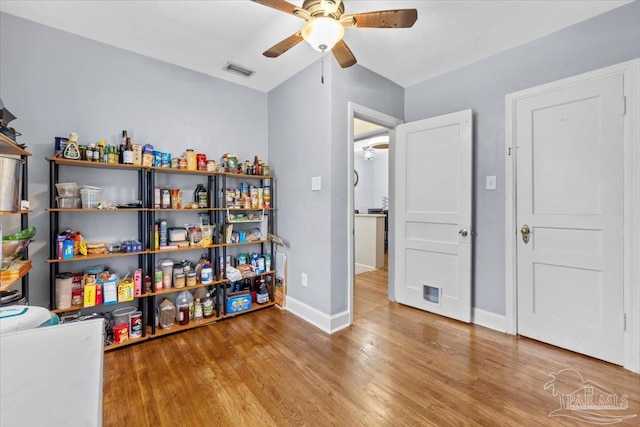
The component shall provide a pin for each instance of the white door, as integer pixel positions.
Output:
(570, 197)
(433, 183)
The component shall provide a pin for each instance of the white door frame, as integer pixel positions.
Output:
(631, 75)
(381, 119)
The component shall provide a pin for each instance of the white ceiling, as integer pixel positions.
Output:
(205, 35)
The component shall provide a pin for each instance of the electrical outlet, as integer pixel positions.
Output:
(304, 280)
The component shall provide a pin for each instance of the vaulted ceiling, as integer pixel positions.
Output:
(205, 35)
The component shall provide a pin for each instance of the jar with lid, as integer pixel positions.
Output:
(88, 152)
(179, 280)
(190, 156)
(191, 279)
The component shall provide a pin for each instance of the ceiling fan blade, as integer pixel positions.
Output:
(283, 46)
(343, 54)
(281, 5)
(399, 18)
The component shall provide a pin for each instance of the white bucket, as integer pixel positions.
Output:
(10, 183)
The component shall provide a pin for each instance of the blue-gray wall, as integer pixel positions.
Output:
(604, 40)
(56, 83)
(308, 137)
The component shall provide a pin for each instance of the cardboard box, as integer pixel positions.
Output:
(125, 291)
(137, 154)
(280, 288)
(280, 292)
(238, 302)
(90, 295)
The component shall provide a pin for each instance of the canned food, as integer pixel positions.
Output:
(201, 160)
(135, 324)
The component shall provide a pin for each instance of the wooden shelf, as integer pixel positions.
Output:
(254, 307)
(95, 210)
(183, 171)
(82, 307)
(7, 283)
(179, 328)
(87, 164)
(185, 248)
(245, 176)
(23, 212)
(254, 242)
(7, 146)
(100, 256)
(181, 210)
(130, 341)
(186, 288)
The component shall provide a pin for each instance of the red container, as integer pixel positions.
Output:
(201, 160)
(121, 333)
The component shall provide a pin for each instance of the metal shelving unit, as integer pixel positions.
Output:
(9, 147)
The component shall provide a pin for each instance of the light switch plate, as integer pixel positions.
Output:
(491, 182)
(316, 183)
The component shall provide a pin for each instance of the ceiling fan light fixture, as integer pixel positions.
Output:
(322, 33)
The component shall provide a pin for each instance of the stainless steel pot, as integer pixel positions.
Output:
(10, 183)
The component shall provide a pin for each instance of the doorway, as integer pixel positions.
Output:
(380, 123)
(371, 195)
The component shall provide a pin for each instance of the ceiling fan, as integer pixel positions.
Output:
(326, 22)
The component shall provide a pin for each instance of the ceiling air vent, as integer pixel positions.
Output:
(236, 69)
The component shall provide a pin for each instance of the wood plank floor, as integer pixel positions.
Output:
(396, 366)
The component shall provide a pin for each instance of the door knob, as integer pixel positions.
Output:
(463, 232)
(525, 233)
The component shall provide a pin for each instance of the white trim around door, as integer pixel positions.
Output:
(381, 119)
(631, 109)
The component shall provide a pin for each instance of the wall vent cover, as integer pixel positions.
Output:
(237, 69)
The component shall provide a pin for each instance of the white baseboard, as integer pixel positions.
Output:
(489, 320)
(320, 320)
(362, 268)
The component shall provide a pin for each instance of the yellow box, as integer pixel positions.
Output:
(125, 291)
(90, 295)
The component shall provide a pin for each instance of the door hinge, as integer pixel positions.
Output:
(624, 321)
(624, 105)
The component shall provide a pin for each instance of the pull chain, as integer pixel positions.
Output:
(322, 71)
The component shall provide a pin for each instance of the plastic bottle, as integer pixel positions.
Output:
(197, 311)
(263, 293)
(207, 306)
(206, 274)
(183, 311)
(200, 196)
(102, 148)
(198, 269)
